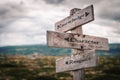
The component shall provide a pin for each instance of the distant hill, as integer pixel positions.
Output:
(31, 49)
(43, 49)
(114, 50)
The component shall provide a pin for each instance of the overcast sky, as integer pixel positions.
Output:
(26, 21)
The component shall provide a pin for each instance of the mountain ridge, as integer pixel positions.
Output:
(45, 50)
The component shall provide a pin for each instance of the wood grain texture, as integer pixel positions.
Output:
(78, 18)
(88, 59)
(76, 41)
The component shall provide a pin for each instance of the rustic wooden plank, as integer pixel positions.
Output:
(76, 41)
(78, 18)
(88, 59)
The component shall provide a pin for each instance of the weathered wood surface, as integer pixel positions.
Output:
(78, 18)
(88, 59)
(76, 41)
(78, 74)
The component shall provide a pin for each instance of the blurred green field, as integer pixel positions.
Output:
(43, 68)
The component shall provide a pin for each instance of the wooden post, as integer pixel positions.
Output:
(77, 74)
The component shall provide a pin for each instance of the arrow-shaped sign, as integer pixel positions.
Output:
(76, 41)
(79, 18)
(69, 63)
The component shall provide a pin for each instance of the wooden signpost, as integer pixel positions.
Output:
(88, 59)
(78, 18)
(83, 46)
(78, 41)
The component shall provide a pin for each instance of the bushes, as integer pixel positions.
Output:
(44, 69)
(108, 69)
(45, 78)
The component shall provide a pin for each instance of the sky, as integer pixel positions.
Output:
(25, 22)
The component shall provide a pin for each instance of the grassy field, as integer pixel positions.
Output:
(43, 68)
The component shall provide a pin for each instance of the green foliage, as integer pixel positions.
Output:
(107, 77)
(44, 69)
(45, 78)
(108, 69)
(114, 70)
(63, 74)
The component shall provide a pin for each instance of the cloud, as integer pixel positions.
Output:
(23, 31)
(109, 10)
(54, 1)
(26, 21)
(20, 39)
(10, 12)
(27, 27)
(112, 33)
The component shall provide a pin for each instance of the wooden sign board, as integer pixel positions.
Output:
(85, 60)
(79, 18)
(76, 41)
